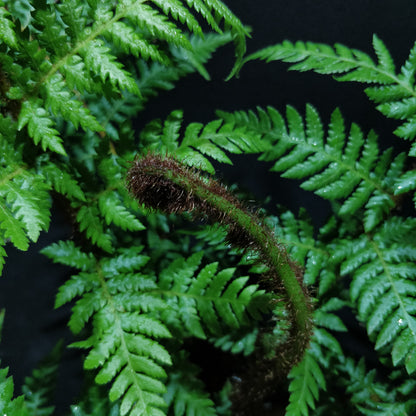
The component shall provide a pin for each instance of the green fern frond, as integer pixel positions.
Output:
(8, 405)
(199, 141)
(180, 13)
(61, 181)
(97, 57)
(20, 10)
(129, 41)
(7, 33)
(383, 271)
(114, 211)
(324, 59)
(65, 252)
(40, 386)
(395, 93)
(40, 127)
(211, 299)
(185, 394)
(307, 379)
(342, 167)
(89, 221)
(24, 206)
(123, 347)
(154, 77)
(61, 103)
(232, 23)
(372, 397)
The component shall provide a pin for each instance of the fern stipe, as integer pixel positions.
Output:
(162, 183)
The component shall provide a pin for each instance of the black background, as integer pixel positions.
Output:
(29, 282)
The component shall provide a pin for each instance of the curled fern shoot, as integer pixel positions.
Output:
(164, 184)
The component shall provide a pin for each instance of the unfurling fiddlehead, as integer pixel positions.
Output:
(165, 184)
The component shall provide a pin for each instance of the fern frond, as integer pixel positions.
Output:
(342, 167)
(180, 13)
(395, 93)
(7, 33)
(199, 141)
(61, 181)
(123, 347)
(185, 392)
(209, 300)
(61, 103)
(307, 379)
(8, 405)
(89, 221)
(40, 386)
(154, 77)
(324, 59)
(65, 252)
(115, 212)
(97, 57)
(383, 271)
(232, 23)
(25, 207)
(372, 397)
(129, 41)
(21, 11)
(40, 125)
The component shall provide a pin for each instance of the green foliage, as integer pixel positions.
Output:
(199, 142)
(147, 289)
(8, 405)
(341, 167)
(39, 387)
(393, 92)
(382, 269)
(185, 393)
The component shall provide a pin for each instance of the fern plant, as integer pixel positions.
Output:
(171, 271)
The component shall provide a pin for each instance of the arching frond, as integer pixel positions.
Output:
(344, 167)
(393, 92)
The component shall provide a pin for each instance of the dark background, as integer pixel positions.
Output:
(29, 282)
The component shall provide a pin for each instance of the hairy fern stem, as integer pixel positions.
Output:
(165, 184)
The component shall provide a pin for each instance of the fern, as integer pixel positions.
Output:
(344, 168)
(199, 141)
(382, 288)
(166, 263)
(394, 92)
(210, 300)
(185, 394)
(39, 387)
(373, 397)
